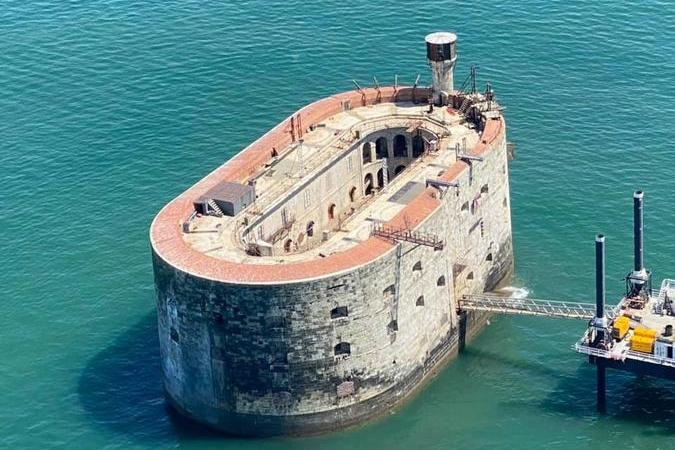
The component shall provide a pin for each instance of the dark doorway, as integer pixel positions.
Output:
(400, 146)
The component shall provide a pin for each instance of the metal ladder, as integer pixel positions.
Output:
(214, 206)
(465, 105)
(397, 287)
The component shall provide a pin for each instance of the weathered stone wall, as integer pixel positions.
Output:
(311, 203)
(342, 184)
(317, 355)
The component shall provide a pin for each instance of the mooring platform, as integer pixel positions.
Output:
(641, 335)
(636, 335)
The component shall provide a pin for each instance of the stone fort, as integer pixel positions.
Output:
(311, 282)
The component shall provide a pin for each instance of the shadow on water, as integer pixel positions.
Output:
(631, 398)
(120, 389)
(527, 365)
(641, 400)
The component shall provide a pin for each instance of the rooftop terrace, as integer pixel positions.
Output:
(224, 237)
(286, 159)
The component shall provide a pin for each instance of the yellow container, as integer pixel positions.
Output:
(646, 332)
(620, 327)
(642, 344)
(622, 320)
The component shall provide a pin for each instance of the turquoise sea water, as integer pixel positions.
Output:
(110, 108)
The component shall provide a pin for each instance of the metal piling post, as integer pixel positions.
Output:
(600, 316)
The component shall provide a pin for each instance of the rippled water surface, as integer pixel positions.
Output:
(110, 108)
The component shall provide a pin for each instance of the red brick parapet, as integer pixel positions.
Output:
(166, 233)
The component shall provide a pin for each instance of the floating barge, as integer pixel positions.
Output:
(639, 338)
(637, 335)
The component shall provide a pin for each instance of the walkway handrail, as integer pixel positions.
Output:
(628, 354)
(532, 307)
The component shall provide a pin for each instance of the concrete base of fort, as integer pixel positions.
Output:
(468, 325)
(249, 425)
(337, 419)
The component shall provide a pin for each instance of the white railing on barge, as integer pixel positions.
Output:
(581, 347)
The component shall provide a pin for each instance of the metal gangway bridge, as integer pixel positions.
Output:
(532, 307)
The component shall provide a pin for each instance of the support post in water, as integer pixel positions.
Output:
(600, 324)
(639, 280)
(600, 284)
(638, 231)
(601, 386)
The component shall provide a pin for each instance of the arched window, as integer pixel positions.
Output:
(366, 153)
(417, 145)
(488, 257)
(399, 169)
(484, 189)
(392, 326)
(310, 229)
(331, 211)
(419, 301)
(400, 146)
(465, 206)
(381, 148)
(368, 184)
(440, 281)
(343, 348)
(380, 178)
(352, 194)
(288, 245)
(301, 238)
(389, 290)
(469, 276)
(418, 266)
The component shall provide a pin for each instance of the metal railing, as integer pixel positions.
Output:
(532, 307)
(580, 347)
(408, 235)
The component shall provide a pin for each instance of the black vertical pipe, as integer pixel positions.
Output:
(601, 386)
(600, 315)
(600, 276)
(638, 230)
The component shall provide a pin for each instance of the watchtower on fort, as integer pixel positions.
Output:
(441, 54)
